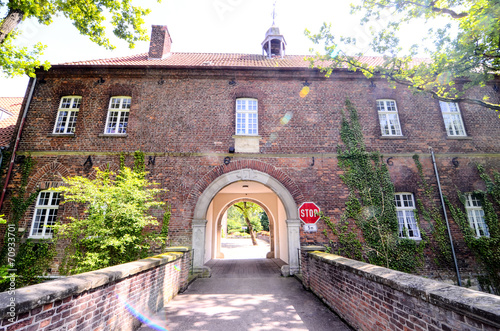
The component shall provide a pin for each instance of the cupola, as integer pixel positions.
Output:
(274, 43)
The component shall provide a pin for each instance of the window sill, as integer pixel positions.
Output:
(61, 135)
(247, 137)
(459, 138)
(38, 238)
(394, 137)
(113, 135)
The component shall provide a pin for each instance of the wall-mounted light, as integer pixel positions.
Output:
(231, 149)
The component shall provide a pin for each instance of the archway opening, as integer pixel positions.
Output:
(240, 193)
(269, 193)
(245, 232)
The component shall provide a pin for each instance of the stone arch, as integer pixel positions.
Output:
(266, 168)
(103, 167)
(215, 181)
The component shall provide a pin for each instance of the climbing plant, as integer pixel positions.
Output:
(486, 249)
(432, 214)
(30, 259)
(370, 205)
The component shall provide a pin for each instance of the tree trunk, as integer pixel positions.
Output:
(250, 229)
(10, 22)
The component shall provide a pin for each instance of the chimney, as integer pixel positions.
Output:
(159, 46)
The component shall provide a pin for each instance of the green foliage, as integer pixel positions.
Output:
(139, 164)
(116, 213)
(486, 249)
(32, 261)
(89, 18)
(264, 221)
(433, 214)
(465, 46)
(370, 205)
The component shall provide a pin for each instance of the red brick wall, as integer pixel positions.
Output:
(369, 297)
(98, 300)
(187, 124)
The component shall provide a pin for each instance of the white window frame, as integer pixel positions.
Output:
(247, 117)
(45, 214)
(405, 211)
(118, 115)
(67, 114)
(475, 214)
(388, 118)
(452, 118)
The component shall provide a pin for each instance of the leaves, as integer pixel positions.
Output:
(90, 18)
(111, 231)
(466, 51)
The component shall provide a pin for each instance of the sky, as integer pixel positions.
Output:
(199, 26)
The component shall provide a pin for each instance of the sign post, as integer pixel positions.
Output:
(309, 214)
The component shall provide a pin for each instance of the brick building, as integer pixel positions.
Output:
(221, 128)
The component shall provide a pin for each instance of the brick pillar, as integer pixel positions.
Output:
(160, 43)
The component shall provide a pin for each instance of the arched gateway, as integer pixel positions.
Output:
(203, 237)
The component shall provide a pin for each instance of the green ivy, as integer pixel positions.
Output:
(486, 249)
(433, 215)
(32, 258)
(370, 205)
(139, 164)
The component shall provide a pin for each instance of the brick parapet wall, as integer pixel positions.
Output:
(105, 299)
(369, 297)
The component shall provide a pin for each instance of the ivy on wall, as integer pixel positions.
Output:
(370, 205)
(32, 257)
(433, 215)
(486, 249)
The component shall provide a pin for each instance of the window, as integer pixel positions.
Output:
(66, 116)
(405, 209)
(246, 117)
(452, 119)
(117, 121)
(45, 215)
(388, 117)
(475, 214)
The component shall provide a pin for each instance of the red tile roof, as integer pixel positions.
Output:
(7, 125)
(213, 60)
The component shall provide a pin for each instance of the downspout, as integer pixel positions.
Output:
(446, 217)
(16, 145)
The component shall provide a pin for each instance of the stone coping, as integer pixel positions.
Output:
(479, 305)
(30, 297)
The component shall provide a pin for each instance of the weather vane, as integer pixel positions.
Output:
(274, 11)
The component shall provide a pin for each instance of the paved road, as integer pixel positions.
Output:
(246, 295)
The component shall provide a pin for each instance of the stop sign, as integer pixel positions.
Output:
(309, 212)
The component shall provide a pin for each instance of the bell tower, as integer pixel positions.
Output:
(274, 43)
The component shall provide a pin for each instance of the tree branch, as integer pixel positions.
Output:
(431, 6)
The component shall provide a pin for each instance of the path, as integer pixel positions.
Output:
(246, 295)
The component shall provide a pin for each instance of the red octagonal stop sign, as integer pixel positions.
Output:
(309, 212)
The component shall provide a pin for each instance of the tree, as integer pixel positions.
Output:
(89, 17)
(250, 212)
(112, 231)
(465, 54)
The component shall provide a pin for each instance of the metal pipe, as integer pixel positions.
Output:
(16, 145)
(446, 217)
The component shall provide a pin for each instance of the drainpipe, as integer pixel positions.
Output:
(16, 145)
(446, 217)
